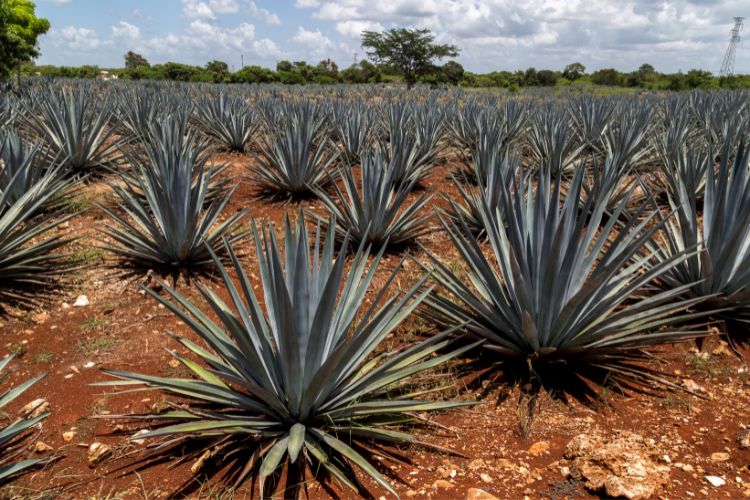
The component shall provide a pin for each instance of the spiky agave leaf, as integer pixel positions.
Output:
(28, 258)
(22, 167)
(12, 435)
(722, 269)
(294, 160)
(557, 289)
(376, 211)
(77, 127)
(228, 120)
(551, 140)
(352, 124)
(295, 381)
(169, 224)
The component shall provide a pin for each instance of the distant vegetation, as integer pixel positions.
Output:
(396, 55)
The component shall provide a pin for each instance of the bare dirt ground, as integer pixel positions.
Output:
(123, 329)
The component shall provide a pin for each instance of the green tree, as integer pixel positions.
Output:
(133, 60)
(411, 51)
(574, 71)
(453, 72)
(547, 78)
(284, 65)
(19, 33)
(219, 70)
(607, 76)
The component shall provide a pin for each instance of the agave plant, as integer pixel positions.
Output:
(295, 381)
(591, 116)
(170, 223)
(12, 435)
(625, 146)
(353, 122)
(558, 291)
(23, 167)
(721, 271)
(295, 159)
(78, 128)
(376, 213)
(28, 258)
(495, 171)
(228, 120)
(550, 139)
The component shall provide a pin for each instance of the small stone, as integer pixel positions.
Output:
(537, 449)
(720, 456)
(74, 369)
(69, 436)
(692, 386)
(716, 481)
(98, 453)
(35, 408)
(173, 363)
(40, 318)
(687, 468)
(89, 365)
(743, 439)
(477, 463)
(81, 301)
(443, 484)
(477, 494)
(411, 493)
(41, 447)
(485, 478)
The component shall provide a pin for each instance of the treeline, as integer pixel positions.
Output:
(450, 73)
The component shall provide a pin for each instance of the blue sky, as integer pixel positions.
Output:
(672, 35)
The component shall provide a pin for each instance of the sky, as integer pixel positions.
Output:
(671, 35)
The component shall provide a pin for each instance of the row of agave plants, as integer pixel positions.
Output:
(589, 229)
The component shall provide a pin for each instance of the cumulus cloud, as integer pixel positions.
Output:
(264, 15)
(492, 34)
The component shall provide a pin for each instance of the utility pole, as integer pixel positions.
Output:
(242, 59)
(727, 65)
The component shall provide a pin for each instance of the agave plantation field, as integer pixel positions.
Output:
(342, 291)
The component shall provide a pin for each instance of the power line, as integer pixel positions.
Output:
(727, 65)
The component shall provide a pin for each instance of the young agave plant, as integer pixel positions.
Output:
(376, 212)
(295, 382)
(353, 122)
(550, 139)
(496, 172)
(721, 271)
(78, 129)
(170, 224)
(12, 436)
(28, 259)
(295, 159)
(558, 291)
(228, 120)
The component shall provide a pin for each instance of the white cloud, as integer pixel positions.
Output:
(126, 31)
(306, 4)
(225, 6)
(264, 15)
(194, 9)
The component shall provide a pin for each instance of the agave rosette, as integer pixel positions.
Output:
(295, 381)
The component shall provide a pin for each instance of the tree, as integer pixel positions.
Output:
(453, 72)
(411, 51)
(19, 32)
(646, 69)
(574, 71)
(328, 68)
(219, 71)
(284, 65)
(547, 78)
(607, 76)
(133, 60)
